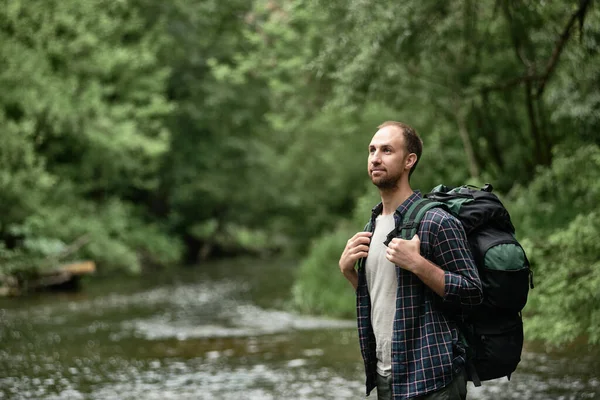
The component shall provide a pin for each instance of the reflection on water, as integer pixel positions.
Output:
(219, 332)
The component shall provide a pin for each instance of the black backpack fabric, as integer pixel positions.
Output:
(493, 330)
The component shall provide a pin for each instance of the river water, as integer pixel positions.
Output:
(220, 331)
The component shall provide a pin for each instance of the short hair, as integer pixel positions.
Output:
(412, 141)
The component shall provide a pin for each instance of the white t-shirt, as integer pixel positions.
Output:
(382, 284)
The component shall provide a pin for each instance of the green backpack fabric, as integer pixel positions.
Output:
(494, 329)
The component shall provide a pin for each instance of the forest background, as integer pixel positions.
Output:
(167, 133)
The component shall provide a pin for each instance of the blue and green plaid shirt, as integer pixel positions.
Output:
(426, 351)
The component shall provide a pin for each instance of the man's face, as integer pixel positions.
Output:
(387, 157)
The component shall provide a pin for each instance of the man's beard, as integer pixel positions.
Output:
(386, 183)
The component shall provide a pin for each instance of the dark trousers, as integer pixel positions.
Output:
(456, 390)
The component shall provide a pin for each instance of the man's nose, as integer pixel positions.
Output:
(375, 159)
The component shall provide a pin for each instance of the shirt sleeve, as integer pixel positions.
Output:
(452, 253)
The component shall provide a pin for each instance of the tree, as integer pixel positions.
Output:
(480, 69)
(82, 112)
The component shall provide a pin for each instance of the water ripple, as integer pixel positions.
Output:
(241, 321)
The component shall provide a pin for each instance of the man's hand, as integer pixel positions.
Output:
(404, 253)
(357, 247)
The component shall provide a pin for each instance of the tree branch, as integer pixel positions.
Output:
(71, 248)
(579, 15)
(560, 44)
(507, 84)
(517, 45)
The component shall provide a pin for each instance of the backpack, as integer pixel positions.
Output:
(493, 330)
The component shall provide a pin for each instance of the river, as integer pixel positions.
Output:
(220, 331)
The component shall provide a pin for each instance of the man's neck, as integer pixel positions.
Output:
(392, 198)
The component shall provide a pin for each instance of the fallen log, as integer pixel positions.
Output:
(66, 277)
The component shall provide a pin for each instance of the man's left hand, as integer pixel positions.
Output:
(404, 253)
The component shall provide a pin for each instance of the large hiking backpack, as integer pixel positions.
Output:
(494, 329)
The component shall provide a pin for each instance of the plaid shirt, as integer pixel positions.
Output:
(426, 351)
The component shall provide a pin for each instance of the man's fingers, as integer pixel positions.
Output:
(357, 246)
(358, 240)
(360, 235)
(361, 241)
(360, 254)
(361, 248)
(358, 249)
(393, 243)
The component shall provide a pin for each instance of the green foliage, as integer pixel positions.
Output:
(82, 129)
(22, 174)
(320, 287)
(84, 84)
(476, 75)
(565, 303)
(214, 172)
(557, 214)
(558, 194)
(114, 237)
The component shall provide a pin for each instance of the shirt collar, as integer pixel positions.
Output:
(402, 208)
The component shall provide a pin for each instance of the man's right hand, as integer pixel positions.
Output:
(357, 247)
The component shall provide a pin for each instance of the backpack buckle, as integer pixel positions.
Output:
(390, 236)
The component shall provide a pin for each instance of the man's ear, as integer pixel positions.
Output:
(411, 159)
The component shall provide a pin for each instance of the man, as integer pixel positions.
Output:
(408, 337)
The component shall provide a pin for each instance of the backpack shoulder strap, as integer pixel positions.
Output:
(412, 219)
(414, 216)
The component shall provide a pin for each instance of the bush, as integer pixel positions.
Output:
(565, 303)
(559, 193)
(320, 287)
(117, 238)
(557, 217)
